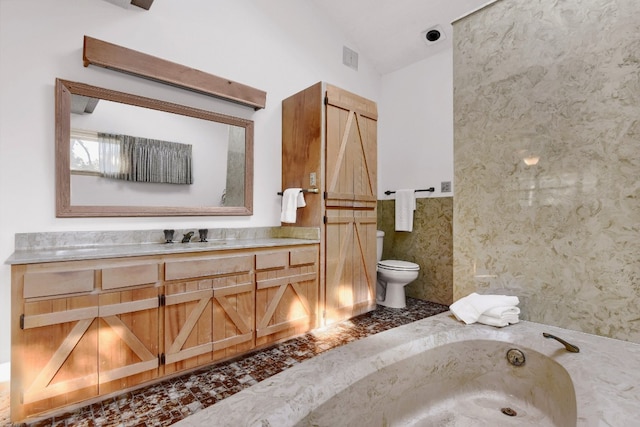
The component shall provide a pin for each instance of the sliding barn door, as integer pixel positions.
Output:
(350, 202)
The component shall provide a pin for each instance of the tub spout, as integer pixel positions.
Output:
(570, 347)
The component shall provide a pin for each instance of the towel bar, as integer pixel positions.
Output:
(432, 189)
(304, 190)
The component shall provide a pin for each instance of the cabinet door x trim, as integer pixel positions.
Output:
(42, 387)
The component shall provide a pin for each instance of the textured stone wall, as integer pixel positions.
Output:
(429, 245)
(557, 82)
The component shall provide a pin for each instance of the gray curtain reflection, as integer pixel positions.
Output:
(137, 159)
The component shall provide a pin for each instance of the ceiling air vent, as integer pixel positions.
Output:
(433, 35)
(350, 58)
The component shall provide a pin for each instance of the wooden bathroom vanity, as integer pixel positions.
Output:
(83, 329)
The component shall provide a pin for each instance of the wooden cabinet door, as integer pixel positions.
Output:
(211, 317)
(188, 325)
(286, 293)
(350, 205)
(55, 363)
(128, 338)
(351, 149)
(350, 263)
(233, 315)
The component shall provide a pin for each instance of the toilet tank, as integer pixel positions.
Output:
(379, 242)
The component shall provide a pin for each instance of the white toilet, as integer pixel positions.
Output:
(393, 276)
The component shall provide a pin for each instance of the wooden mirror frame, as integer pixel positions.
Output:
(65, 89)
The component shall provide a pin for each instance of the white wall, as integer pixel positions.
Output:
(280, 46)
(415, 127)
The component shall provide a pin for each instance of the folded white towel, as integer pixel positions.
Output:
(405, 205)
(496, 321)
(470, 308)
(502, 311)
(500, 316)
(292, 199)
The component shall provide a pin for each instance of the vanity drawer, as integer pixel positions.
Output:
(304, 256)
(286, 258)
(57, 283)
(269, 260)
(188, 269)
(120, 277)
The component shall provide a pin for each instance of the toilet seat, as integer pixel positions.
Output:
(396, 265)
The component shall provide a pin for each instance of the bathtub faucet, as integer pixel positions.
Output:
(570, 347)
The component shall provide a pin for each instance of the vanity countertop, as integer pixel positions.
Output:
(35, 248)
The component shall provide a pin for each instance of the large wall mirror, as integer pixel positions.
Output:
(119, 154)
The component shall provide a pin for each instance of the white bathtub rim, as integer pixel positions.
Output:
(288, 397)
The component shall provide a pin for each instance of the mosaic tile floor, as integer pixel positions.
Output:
(172, 400)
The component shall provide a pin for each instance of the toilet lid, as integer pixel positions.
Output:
(392, 264)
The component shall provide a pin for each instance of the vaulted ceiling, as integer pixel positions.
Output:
(388, 32)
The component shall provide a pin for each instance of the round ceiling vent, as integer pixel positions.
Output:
(433, 35)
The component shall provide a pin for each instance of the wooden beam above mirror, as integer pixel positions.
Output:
(145, 4)
(112, 56)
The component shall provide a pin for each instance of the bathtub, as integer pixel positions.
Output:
(440, 372)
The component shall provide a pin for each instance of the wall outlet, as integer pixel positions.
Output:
(445, 187)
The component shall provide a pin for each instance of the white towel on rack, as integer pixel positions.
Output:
(405, 205)
(292, 199)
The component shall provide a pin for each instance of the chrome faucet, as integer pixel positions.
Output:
(570, 347)
(186, 238)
